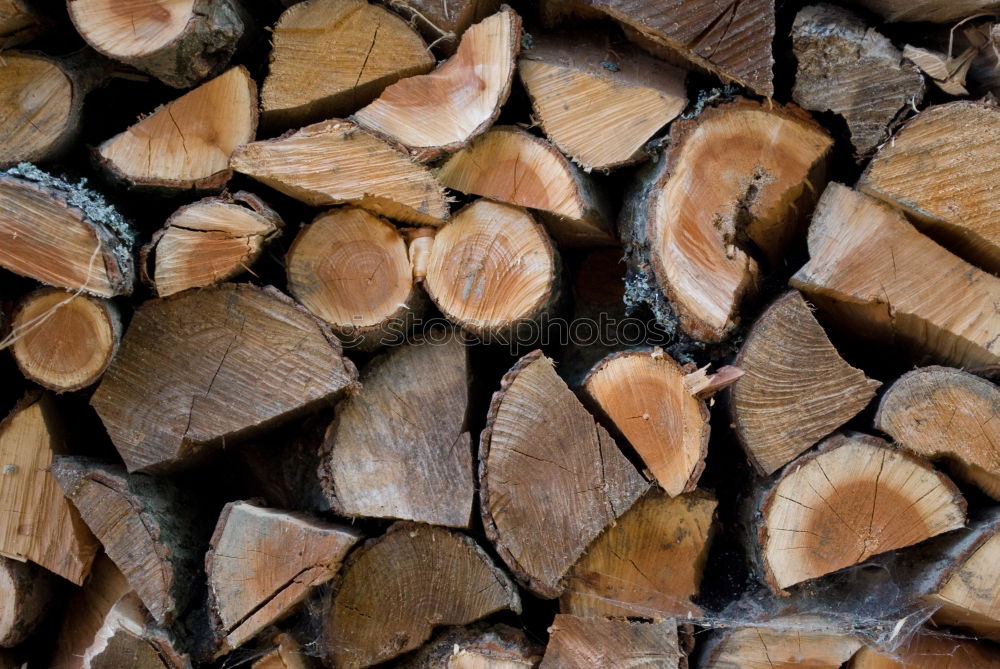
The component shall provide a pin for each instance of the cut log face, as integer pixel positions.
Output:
(550, 478)
(187, 142)
(477, 647)
(796, 388)
(376, 615)
(39, 107)
(802, 641)
(703, 207)
(512, 166)
(491, 268)
(649, 564)
(63, 234)
(39, 524)
(440, 112)
(940, 169)
(335, 162)
(443, 22)
(25, 591)
(970, 596)
(211, 365)
(880, 277)
(127, 638)
(929, 10)
(599, 103)
(286, 655)
(584, 643)
(854, 498)
(330, 57)
(262, 562)
(399, 448)
(930, 650)
(850, 69)
(64, 341)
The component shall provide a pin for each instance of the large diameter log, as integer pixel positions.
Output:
(25, 591)
(214, 365)
(780, 643)
(477, 646)
(583, 643)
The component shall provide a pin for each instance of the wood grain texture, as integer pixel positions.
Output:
(443, 22)
(929, 10)
(25, 594)
(782, 643)
(968, 594)
(930, 649)
(584, 643)
(479, 646)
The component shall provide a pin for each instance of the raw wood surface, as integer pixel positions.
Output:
(25, 594)
(18, 23)
(287, 654)
(930, 649)
(86, 613)
(477, 646)
(782, 643)
(443, 22)
(584, 643)
(930, 10)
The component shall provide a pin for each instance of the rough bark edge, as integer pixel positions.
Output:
(33, 588)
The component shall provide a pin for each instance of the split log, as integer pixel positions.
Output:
(513, 166)
(443, 22)
(286, 655)
(929, 10)
(649, 564)
(214, 365)
(853, 498)
(850, 69)
(351, 269)
(262, 562)
(375, 615)
(25, 591)
(19, 23)
(930, 650)
(38, 523)
(209, 241)
(599, 102)
(698, 212)
(335, 162)
(63, 234)
(550, 479)
(584, 643)
(875, 274)
(331, 57)
(643, 396)
(796, 388)
(440, 112)
(782, 643)
(939, 169)
(187, 142)
(493, 268)
(399, 448)
(148, 527)
(477, 647)
(948, 72)
(180, 43)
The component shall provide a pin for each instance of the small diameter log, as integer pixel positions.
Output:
(443, 22)
(399, 448)
(375, 615)
(213, 365)
(262, 562)
(513, 166)
(440, 112)
(734, 183)
(492, 268)
(39, 524)
(936, 11)
(187, 142)
(25, 591)
(850, 69)
(336, 162)
(287, 654)
(853, 498)
(940, 170)
(64, 341)
(585, 643)
(599, 102)
(930, 649)
(478, 646)
(209, 241)
(877, 275)
(796, 388)
(351, 269)
(331, 57)
(550, 478)
(649, 564)
(63, 234)
(179, 43)
(781, 643)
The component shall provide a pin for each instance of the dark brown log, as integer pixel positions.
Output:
(584, 643)
(443, 22)
(25, 591)
(781, 643)
(19, 23)
(477, 646)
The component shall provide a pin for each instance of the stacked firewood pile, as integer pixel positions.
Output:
(451, 334)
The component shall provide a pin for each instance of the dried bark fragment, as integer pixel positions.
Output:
(583, 643)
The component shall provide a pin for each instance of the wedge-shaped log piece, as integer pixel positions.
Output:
(63, 234)
(599, 102)
(286, 654)
(940, 170)
(796, 388)
(335, 162)
(25, 591)
(39, 524)
(330, 57)
(375, 615)
(930, 649)
(443, 22)
(854, 498)
(211, 365)
(440, 112)
(477, 646)
(491, 268)
(513, 166)
(782, 643)
(583, 643)
(399, 448)
(697, 213)
(550, 478)
(649, 564)
(877, 275)
(930, 10)
(262, 562)
(209, 241)
(187, 142)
